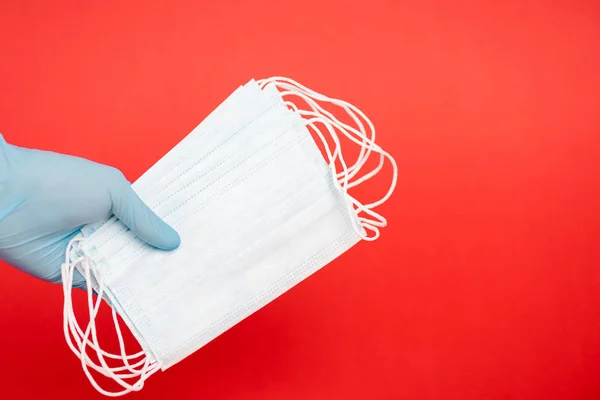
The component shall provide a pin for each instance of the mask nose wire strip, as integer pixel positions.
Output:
(358, 135)
(83, 341)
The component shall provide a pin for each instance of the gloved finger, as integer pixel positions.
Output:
(143, 222)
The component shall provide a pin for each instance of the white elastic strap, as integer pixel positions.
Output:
(308, 95)
(74, 328)
(80, 341)
(349, 176)
(367, 142)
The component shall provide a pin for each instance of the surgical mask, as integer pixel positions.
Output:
(259, 208)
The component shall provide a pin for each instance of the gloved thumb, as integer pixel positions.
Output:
(143, 222)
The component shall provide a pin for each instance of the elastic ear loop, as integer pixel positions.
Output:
(108, 370)
(290, 83)
(365, 223)
(345, 128)
(147, 371)
(297, 89)
(368, 143)
(68, 323)
(332, 157)
(293, 90)
(76, 331)
(148, 368)
(78, 334)
(306, 95)
(380, 221)
(343, 186)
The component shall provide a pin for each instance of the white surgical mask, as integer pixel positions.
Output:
(258, 208)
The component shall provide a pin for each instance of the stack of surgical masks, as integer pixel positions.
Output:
(259, 193)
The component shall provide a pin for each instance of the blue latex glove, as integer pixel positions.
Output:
(45, 198)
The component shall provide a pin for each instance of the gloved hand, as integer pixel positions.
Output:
(45, 198)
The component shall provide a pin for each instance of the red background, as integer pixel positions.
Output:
(486, 284)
